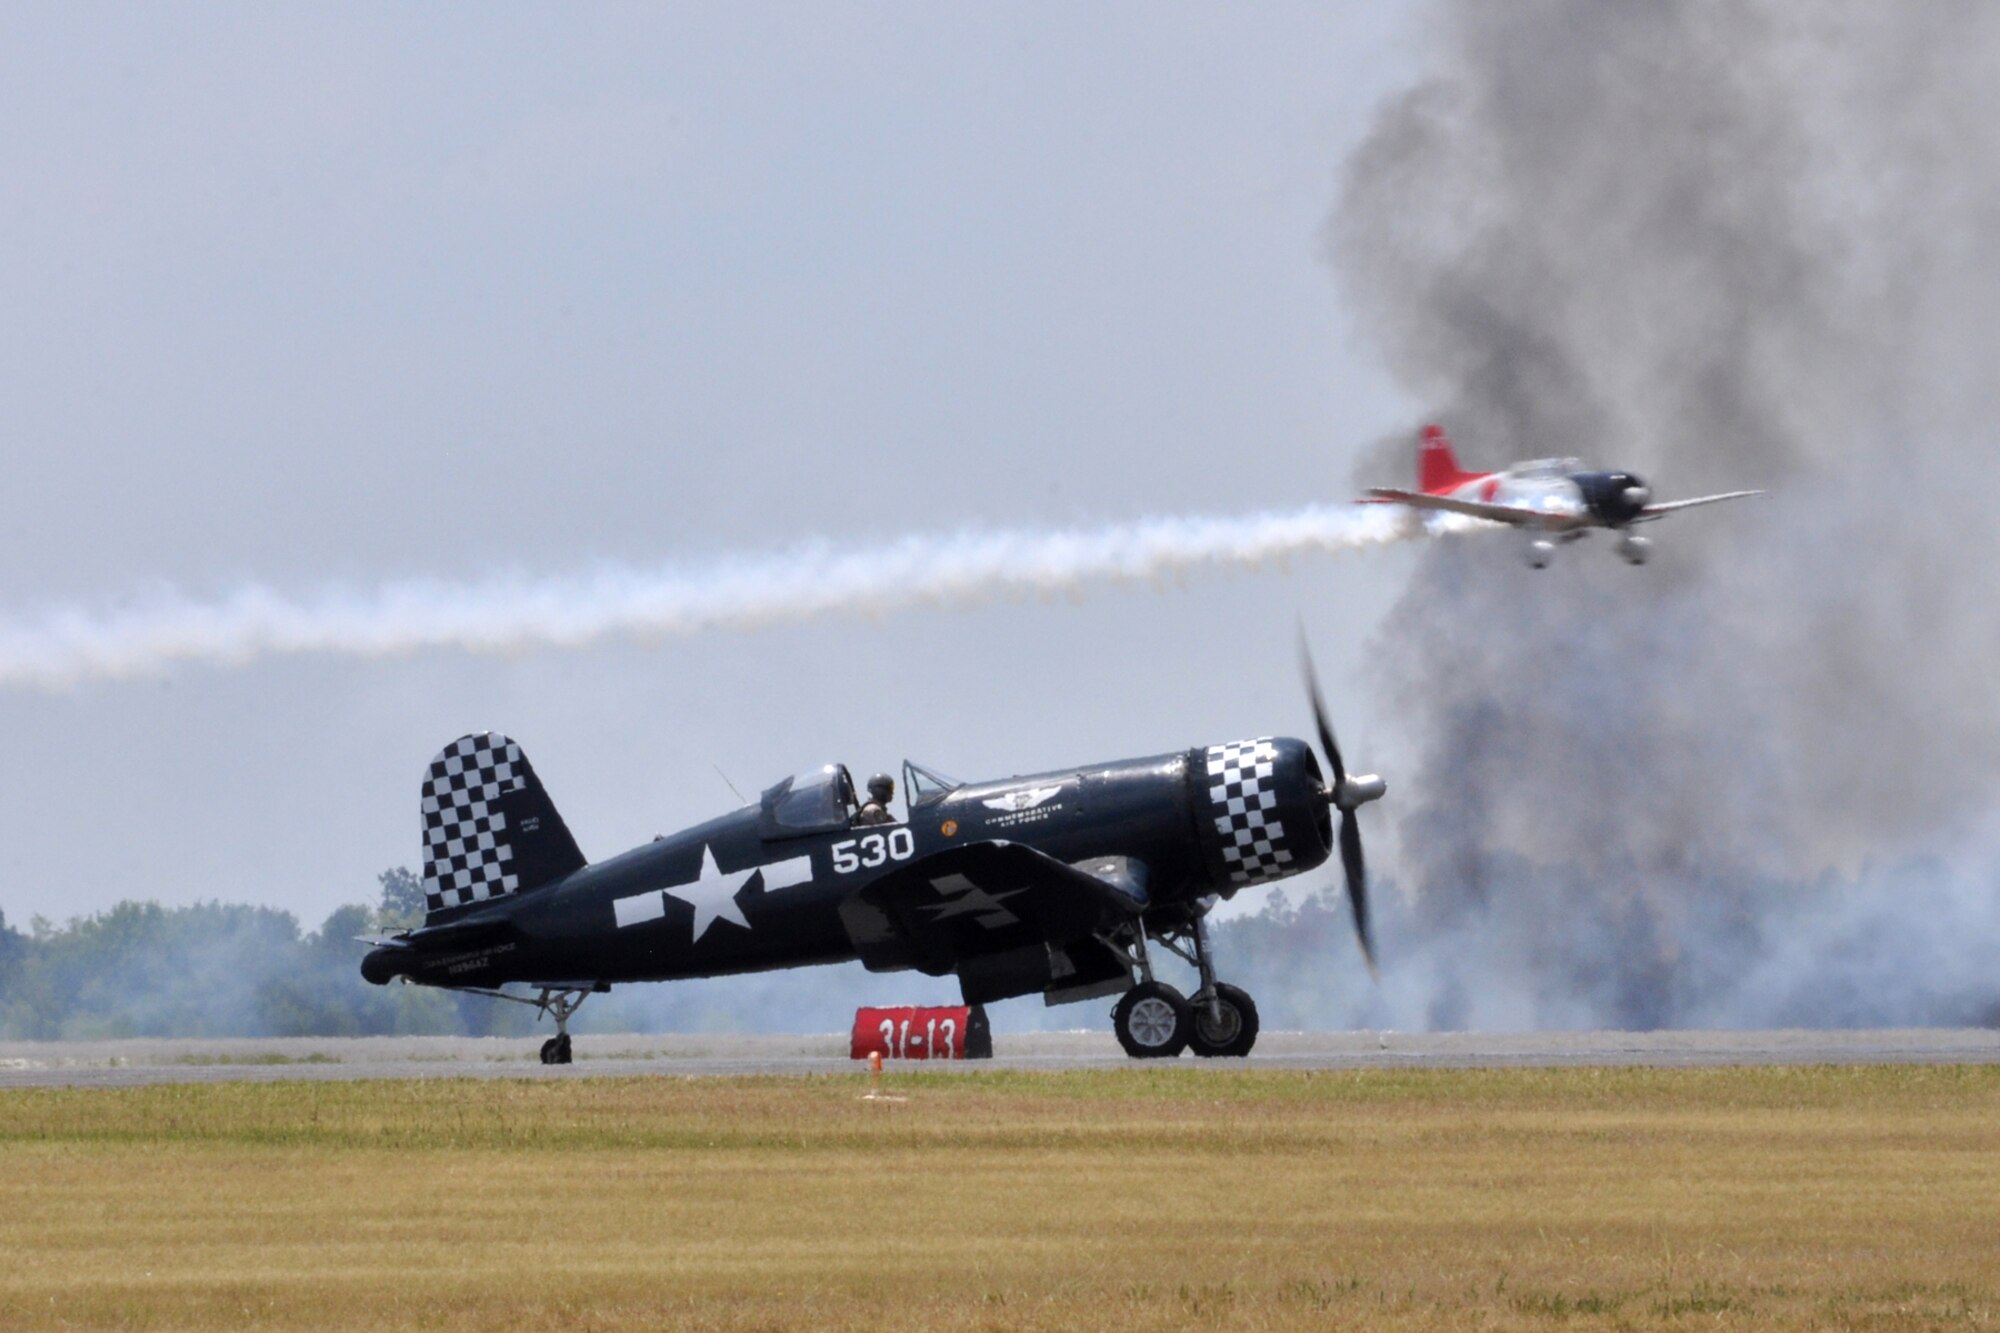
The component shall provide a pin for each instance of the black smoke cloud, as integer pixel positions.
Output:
(1727, 245)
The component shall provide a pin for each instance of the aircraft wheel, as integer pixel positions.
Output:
(1153, 1021)
(562, 1050)
(549, 1051)
(1233, 1034)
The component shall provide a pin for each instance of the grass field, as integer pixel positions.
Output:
(1140, 1198)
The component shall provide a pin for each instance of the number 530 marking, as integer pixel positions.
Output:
(874, 850)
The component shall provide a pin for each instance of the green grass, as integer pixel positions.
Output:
(1149, 1197)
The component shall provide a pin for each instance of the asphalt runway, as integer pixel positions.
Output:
(154, 1060)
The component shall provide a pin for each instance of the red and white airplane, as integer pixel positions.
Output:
(1553, 499)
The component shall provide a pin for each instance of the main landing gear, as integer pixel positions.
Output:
(1155, 1021)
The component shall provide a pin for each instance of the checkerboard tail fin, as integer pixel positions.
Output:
(490, 830)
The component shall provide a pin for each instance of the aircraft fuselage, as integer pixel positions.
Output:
(744, 893)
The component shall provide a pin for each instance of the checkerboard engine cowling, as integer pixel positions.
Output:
(1242, 794)
(467, 856)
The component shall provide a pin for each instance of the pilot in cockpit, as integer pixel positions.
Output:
(875, 810)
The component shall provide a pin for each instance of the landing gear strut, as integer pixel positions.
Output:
(1153, 1020)
(560, 1001)
(560, 1004)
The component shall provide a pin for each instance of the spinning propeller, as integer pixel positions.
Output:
(1347, 794)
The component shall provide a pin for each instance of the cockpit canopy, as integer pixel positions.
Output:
(923, 785)
(815, 801)
(1545, 469)
(822, 800)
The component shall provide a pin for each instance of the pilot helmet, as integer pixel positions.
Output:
(881, 787)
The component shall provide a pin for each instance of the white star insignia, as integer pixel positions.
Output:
(714, 894)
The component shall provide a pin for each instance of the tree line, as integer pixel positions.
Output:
(213, 970)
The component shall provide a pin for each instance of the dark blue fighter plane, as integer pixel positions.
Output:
(1054, 883)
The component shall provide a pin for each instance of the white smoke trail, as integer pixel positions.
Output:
(68, 645)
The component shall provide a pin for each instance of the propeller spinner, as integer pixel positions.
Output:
(1346, 793)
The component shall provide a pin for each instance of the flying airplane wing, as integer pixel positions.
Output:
(1508, 514)
(1654, 511)
(986, 898)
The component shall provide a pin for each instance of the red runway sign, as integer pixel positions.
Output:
(911, 1032)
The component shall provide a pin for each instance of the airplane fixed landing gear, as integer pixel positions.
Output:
(1155, 1021)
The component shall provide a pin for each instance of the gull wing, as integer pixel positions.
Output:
(986, 898)
(1654, 511)
(1533, 519)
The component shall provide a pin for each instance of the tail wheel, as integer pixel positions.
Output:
(1227, 1027)
(1153, 1021)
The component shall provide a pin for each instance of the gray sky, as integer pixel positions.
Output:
(305, 295)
